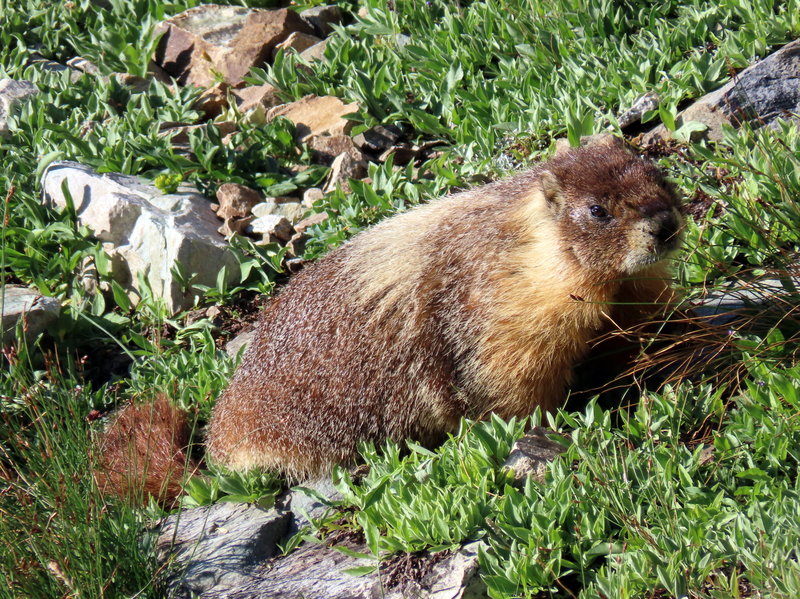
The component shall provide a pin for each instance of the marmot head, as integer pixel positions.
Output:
(615, 212)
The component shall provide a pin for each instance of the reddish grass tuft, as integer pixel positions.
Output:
(144, 452)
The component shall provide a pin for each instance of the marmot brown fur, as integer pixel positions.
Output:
(474, 303)
(479, 302)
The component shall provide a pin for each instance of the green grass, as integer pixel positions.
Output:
(690, 491)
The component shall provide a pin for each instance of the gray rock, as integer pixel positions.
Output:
(230, 550)
(81, 64)
(12, 92)
(456, 577)
(760, 94)
(312, 502)
(378, 139)
(740, 297)
(532, 453)
(36, 311)
(46, 65)
(321, 18)
(241, 340)
(648, 101)
(315, 52)
(145, 231)
(215, 550)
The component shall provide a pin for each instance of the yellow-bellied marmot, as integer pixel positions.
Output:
(478, 302)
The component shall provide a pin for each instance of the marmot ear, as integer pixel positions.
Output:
(551, 189)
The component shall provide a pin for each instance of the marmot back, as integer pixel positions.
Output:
(478, 302)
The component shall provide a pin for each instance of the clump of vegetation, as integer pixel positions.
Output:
(688, 492)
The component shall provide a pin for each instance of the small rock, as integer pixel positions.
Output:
(297, 245)
(12, 92)
(315, 219)
(645, 103)
(46, 65)
(216, 549)
(293, 211)
(235, 226)
(343, 169)
(321, 18)
(270, 205)
(241, 340)
(264, 208)
(134, 82)
(316, 115)
(401, 39)
(81, 64)
(234, 208)
(325, 148)
(273, 227)
(236, 200)
(36, 311)
(315, 52)
(312, 195)
(297, 41)
(288, 207)
(213, 100)
(249, 98)
(378, 139)
(402, 155)
(532, 453)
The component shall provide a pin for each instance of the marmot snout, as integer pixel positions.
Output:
(478, 302)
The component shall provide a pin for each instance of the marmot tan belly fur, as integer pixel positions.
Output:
(478, 302)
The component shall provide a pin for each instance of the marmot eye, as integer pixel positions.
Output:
(598, 211)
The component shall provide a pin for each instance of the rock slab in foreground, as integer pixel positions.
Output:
(229, 550)
(146, 232)
(217, 550)
(21, 303)
(224, 550)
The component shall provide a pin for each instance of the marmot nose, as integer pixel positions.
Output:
(667, 228)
